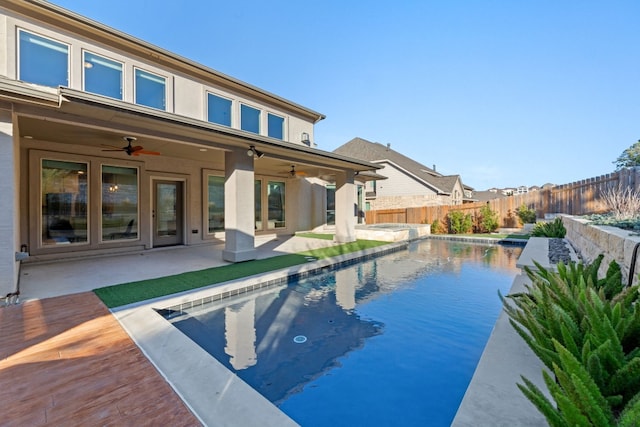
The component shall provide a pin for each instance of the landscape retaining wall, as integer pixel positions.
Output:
(615, 244)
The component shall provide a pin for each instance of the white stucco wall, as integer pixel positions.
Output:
(9, 188)
(185, 95)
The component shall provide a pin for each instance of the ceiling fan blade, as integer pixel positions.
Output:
(119, 149)
(113, 146)
(152, 153)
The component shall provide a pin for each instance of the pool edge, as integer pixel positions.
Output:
(192, 372)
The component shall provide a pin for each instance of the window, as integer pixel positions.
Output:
(275, 198)
(360, 213)
(150, 90)
(218, 110)
(275, 126)
(249, 119)
(43, 61)
(119, 203)
(215, 200)
(258, 204)
(102, 76)
(331, 205)
(64, 202)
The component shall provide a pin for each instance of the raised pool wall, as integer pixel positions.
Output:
(393, 232)
(615, 244)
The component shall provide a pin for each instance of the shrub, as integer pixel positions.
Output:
(624, 204)
(459, 222)
(587, 332)
(509, 220)
(549, 229)
(436, 227)
(526, 215)
(486, 221)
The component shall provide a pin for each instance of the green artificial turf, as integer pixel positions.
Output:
(128, 293)
(316, 236)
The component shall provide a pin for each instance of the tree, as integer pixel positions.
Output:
(629, 157)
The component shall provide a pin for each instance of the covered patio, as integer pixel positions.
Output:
(53, 127)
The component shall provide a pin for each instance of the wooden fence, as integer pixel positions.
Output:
(578, 198)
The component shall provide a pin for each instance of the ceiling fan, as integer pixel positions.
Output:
(131, 150)
(293, 173)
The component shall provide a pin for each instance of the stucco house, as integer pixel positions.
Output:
(408, 184)
(111, 144)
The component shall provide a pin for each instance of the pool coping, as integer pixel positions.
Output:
(492, 397)
(192, 372)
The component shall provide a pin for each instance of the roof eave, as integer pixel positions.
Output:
(71, 95)
(26, 93)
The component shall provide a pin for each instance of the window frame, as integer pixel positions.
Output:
(259, 118)
(207, 201)
(40, 211)
(282, 125)
(84, 76)
(135, 88)
(207, 109)
(40, 35)
(100, 213)
(282, 223)
(258, 215)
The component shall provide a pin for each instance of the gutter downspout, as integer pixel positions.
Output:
(14, 297)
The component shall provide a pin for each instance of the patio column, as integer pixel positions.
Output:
(10, 206)
(345, 207)
(239, 209)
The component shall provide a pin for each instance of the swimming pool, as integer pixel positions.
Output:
(390, 341)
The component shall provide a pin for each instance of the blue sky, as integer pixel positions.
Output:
(503, 93)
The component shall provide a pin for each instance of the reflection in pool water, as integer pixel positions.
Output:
(390, 341)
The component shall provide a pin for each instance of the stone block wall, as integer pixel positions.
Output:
(396, 202)
(615, 244)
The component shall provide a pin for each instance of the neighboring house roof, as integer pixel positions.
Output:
(377, 153)
(485, 196)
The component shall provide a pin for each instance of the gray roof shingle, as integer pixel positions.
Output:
(375, 152)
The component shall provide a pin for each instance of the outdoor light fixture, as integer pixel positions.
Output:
(305, 138)
(253, 152)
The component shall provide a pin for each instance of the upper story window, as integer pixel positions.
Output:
(218, 110)
(150, 89)
(275, 126)
(43, 61)
(249, 119)
(102, 75)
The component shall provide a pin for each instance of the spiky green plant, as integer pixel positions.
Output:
(579, 401)
(554, 228)
(581, 325)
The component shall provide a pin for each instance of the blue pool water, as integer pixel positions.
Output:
(390, 341)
